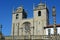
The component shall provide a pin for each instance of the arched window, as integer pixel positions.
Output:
(27, 26)
(39, 13)
(17, 16)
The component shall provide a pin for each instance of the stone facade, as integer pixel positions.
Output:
(21, 25)
(25, 28)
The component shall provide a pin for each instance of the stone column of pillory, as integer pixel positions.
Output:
(54, 24)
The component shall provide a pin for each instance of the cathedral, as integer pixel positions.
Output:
(29, 28)
(23, 26)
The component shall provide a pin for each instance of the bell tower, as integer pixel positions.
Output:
(41, 15)
(18, 15)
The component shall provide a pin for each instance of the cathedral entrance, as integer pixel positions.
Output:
(26, 29)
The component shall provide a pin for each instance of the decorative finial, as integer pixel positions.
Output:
(13, 10)
(53, 11)
(33, 6)
(40, 1)
(45, 3)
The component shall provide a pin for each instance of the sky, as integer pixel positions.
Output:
(6, 7)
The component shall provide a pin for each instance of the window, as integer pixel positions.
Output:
(27, 26)
(39, 13)
(17, 16)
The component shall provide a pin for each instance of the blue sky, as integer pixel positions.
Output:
(6, 7)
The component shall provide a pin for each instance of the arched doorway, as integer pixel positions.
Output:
(26, 29)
